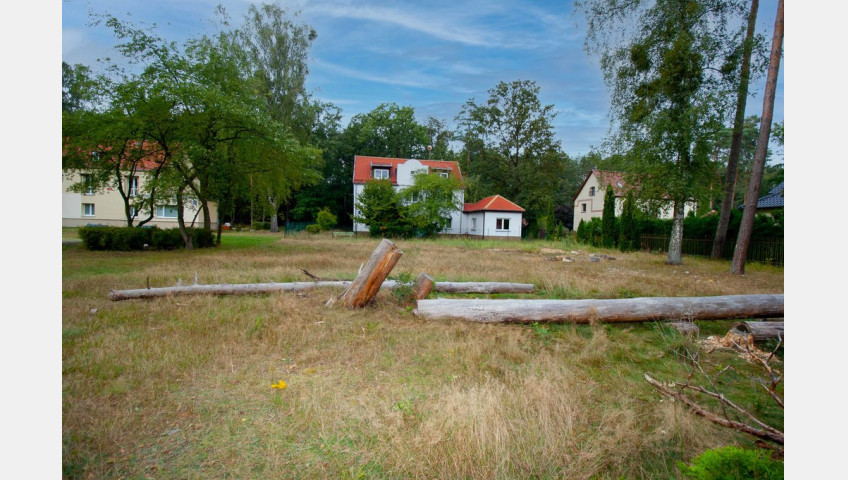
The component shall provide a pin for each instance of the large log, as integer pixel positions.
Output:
(259, 288)
(616, 310)
(366, 285)
(760, 331)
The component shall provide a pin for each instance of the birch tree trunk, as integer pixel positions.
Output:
(737, 267)
(675, 242)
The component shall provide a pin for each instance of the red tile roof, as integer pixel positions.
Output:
(150, 159)
(362, 167)
(495, 203)
(606, 178)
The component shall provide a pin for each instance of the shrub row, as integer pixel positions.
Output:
(704, 227)
(134, 238)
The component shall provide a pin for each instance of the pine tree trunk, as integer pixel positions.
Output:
(675, 242)
(736, 139)
(740, 253)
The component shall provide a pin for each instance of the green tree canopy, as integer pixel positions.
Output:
(510, 140)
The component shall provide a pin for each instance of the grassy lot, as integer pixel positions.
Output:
(181, 387)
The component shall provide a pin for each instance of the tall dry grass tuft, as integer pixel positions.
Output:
(517, 427)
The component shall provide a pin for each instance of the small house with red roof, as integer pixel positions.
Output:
(589, 201)
(491, 217)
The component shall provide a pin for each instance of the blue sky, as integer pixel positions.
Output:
(433, 55)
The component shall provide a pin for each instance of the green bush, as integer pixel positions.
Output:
(730, 463)
(115, 238)
(202, 238)
(325, 219)
(314, 228)
(167, 239)
(261, 226)
(135, 238)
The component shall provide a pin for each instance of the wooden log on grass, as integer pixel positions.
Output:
(223, 289)
(615, 310)
(263, 288)
(759, 331)
(366, 285)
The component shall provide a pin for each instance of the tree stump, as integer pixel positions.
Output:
(366, 285)
(759, 331)
(423, 286)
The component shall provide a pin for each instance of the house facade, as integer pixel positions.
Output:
(589, 201)
(492, 217)
(106, 206)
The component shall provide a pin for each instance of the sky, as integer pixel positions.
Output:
(433, 56)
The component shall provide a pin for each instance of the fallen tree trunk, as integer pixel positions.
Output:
(616, 310)
(258, 288)
(363, 288)
(222, 289)
(760, 331)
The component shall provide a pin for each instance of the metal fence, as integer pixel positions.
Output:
(768, 251)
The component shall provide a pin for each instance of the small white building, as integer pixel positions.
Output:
(491, 217)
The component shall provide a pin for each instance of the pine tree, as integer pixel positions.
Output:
(608, 219)
(627, 238)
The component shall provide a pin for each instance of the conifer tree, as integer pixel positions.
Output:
(608, 219)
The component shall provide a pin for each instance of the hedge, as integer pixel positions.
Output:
(135, 238)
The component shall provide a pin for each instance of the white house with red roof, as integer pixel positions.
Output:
(491, 217)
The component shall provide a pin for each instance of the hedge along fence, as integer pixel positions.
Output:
(768, 251)
(135, 238)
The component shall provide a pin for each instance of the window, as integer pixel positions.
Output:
(132, 183)
(502, 224)
(133, 212)
(444, 174)
(591, 191)
(381, 173)
(166, 211)
(87, 209)
(583, 208)
(88, 181)
(473, 224)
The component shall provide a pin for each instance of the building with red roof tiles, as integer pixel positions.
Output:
(589, 201)
(491, 217)
(91, 203)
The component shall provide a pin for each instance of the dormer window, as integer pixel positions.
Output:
(381, 173)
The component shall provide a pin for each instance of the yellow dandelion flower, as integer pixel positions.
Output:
(281, 385)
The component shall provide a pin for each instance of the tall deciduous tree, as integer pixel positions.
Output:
(740, 253)
(430, 200)
(388, 131)
(510, 140)
(658, 58)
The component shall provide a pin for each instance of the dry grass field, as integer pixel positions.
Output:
(180, 387)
